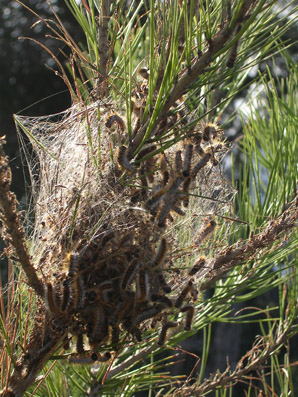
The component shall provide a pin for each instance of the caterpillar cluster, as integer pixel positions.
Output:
(102, 291)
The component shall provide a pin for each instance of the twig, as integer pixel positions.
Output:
(241, 251)
(122, 367)
(14, 228)
(103, 49)
(256, 358)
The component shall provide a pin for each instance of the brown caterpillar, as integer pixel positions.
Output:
(209, 131)
(71, 262)
(178, 210)
(66, 295)
(178, 161)
(80, 344)
(164, 330)
(145, 151)
(84, 359)
(201, 164)
(162, 299)
(100, 331)
(171, 197)
(122, 308)
(187, 160)
(115, 335)
(163, 284)
(144, 72)
(183, 294)
(79, 288)
(102, 291)
(148, 313)
(115, 118)
(143, 286)
(197, 266)
(164, 170)
(162, 250)
(129, 275)
(190, 311)
(137, 333)
(185, 195)
(52, 299)
(123, 161)
(206, 232)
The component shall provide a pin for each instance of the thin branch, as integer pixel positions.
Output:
(103, 50)
(256, 358)
(243, 250)
(14, 228)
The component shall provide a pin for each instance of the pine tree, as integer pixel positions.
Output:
(138, 240)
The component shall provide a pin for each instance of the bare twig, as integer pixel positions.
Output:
(14, 228)
(103, 49)
(256, 358)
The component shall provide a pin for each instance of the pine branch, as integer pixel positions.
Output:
(216, 44)
(242, 251)
(256, 358)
